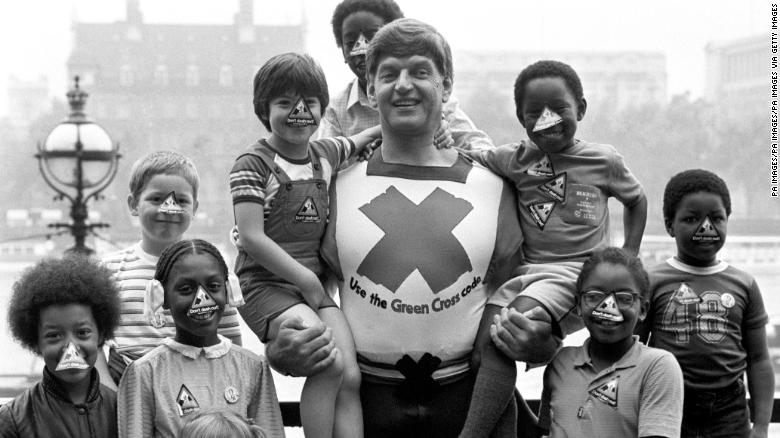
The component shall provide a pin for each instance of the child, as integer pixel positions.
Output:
(562, 187)
(613, 385)
(354, 24)
(220, 424)
(198, 368)
(63, 310)
(710, 315)
(164, 198)
(280, 201)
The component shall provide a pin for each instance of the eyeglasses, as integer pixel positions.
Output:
(624, 300)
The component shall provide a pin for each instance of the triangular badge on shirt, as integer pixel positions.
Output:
(548, 119)
(186, 402)
(542, 167)
(608, 310)
(202, 304)
(300, 115)
(555, 188)
(308, 212)
(685, 295)
(706, 232)
(540, 212)
(71, 359)
(607, 393)
(171, 205)
(360, 47)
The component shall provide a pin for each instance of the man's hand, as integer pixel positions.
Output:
(525, 336)
(299, 350)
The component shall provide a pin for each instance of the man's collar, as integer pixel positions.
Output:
(211, 352)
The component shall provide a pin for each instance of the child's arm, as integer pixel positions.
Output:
(761, 379)
(135, 404)
(634, 220)
(249, 219)
(364, 141)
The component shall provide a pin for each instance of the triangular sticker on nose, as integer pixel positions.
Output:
(608, 310)
(171, 205)
(202, 304)
(300, 115)
(706, 232)
(360, 47)
(72, 359)
(547, 119)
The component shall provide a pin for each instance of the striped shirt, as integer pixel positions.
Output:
(132, 269)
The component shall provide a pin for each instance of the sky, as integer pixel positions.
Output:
(35, 36)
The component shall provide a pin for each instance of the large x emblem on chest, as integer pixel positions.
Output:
(416, 237)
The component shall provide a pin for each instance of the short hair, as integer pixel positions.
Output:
(546, 69)
(73, 279)
(407, 37)
(388, 10)
(288, 72)
(692, 181)
(174, 252)
(162, 163)
(616, 256)
(222, 423)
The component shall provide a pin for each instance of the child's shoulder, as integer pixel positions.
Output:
(246, 354)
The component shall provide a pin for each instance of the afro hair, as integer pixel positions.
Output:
(72, 279)
(693, 181)
(388, 10)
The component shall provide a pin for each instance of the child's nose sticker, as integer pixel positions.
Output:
(171, 205)
(360, 47)
(547, 119)
(706, 232)
(72, 359)
(300, 115)
(203, 304)
(607, 310)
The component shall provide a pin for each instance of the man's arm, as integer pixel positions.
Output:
(634, 220)
(299, 350)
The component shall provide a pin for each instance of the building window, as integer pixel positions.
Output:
(191, 78)
(125, 76)
(161, 75)
(226, 76)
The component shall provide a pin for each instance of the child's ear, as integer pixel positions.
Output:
(194, 207)
(132, 204)
(668, 226)
(643, 308)
(581, 108)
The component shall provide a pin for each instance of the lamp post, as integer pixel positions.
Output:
(78, 160)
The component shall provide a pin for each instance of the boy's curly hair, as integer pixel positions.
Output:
(616, 256)
(388, 10)
(692, 181)
(546, 69)
(73, 279)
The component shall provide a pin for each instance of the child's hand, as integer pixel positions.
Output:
(442, 139)
(525, 336)
(366, 153)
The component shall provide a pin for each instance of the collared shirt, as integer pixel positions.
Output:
(160, 391)
(350, 112)
(639, 395)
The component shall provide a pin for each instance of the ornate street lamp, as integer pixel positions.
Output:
(78, 160)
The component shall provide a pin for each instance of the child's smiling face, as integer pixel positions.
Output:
(61, 326)
(359, 23)
(611, 317)
(699, 228)
(196, 296)
(551, 93)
